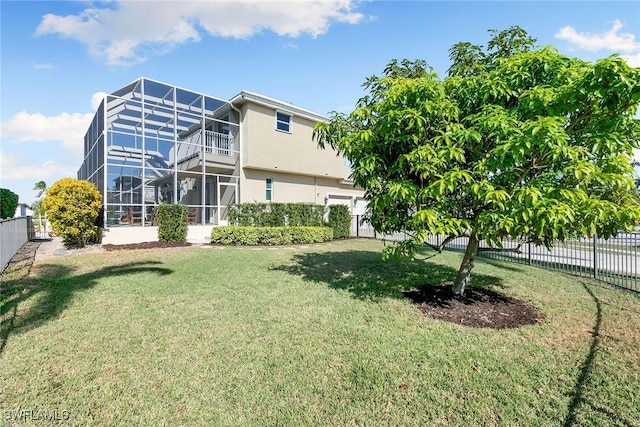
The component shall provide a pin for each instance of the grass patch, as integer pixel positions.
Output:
(316, 335)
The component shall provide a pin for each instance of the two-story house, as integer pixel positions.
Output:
(151, 142)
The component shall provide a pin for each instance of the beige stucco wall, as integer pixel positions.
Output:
(292, 188)
(294, 152)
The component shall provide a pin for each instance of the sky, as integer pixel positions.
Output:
(59, 58)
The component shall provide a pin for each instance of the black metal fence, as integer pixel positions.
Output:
(615, 260)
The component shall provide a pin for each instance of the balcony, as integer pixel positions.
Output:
(219, 153)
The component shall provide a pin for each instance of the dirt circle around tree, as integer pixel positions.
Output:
(478, 308)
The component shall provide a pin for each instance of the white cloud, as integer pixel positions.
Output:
(42, 66)
(69, 129)
(19, 167)
(126, 33)
(19, 173)
(612, 40)
(633, 60)
(96, 99)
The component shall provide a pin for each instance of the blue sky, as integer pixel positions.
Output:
(57, 58)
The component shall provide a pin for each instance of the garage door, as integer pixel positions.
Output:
(360, 207)
(339, 200)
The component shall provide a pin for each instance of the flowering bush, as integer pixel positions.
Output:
(73, 207)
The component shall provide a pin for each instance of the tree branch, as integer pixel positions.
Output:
(439, 248)
(514, 250)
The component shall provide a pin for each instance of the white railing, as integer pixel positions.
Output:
(218, 143)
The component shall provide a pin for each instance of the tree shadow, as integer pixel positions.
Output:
(585, 371)
(54, 288)
(510, 264)
(367, 277)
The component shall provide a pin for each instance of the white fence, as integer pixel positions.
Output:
(14, 233)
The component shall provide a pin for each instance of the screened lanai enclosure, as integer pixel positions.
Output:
(151, 143)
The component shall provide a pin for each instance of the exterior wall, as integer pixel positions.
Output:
(293, 152)
(196, 234)
(294, 188)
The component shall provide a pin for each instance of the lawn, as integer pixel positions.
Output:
(315, 335)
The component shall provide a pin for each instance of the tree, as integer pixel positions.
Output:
(516, 141)
(41, 186)
(73, 207)
(37, 208)
(8, 203)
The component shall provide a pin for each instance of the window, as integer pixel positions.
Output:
(283, 122)
(269, 191)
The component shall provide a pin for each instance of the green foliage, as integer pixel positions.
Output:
(340, 221)
(172, 223)
(8, 203)
(37, 208)
(276, 214)
(516, 141)
(41, 186)
(249, 235)
(73, 207)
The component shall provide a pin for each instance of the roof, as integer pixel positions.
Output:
(283, 106)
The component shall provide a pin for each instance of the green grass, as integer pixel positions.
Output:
(316, 335)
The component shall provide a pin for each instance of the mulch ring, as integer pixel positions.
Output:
(479, 308)
(145, 245)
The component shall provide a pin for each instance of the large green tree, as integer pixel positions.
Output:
(516, 141)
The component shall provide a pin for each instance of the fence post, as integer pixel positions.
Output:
(357, 225)
(595, 256)
(529, 250)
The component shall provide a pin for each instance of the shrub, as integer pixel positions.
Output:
(276, 214)
(8, 203)
(172, 223)
(340, 221)
(73, 207)
(248, 235)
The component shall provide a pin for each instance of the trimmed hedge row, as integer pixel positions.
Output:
(276, 214)
(241, 235)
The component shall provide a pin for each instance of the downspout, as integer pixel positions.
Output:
(240, 148)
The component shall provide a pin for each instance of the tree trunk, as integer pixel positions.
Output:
(464, 274)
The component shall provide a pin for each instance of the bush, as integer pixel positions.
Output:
(248, 235)
(305, 215)
(172, 223)
(73, 207)
(276, 214)
(340, 221)
(8, 203)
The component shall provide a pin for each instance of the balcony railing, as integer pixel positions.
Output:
(218, 143)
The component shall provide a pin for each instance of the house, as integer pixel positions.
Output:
(22, 210)
(151, 142)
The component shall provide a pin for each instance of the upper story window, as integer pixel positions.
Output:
(283, 122)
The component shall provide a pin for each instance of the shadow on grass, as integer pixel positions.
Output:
(578, 398)
(54, 288)
(366, 276)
